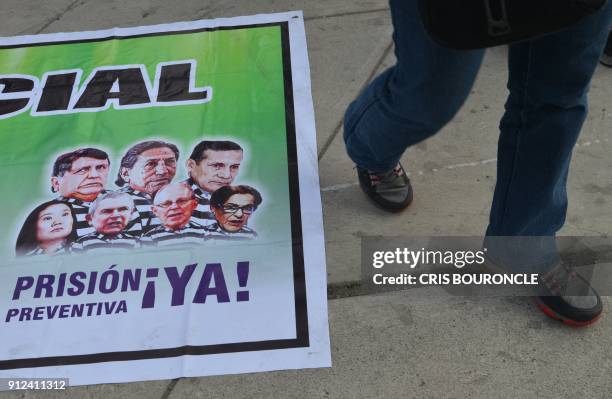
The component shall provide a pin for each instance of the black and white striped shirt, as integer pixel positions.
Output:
(80, 209)
(215, 232)
(202, 215)
(160, 236)
(143, 204)
(40, 251)
(98, 241)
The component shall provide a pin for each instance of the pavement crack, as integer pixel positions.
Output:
(169, 388)
(149, 12)
(349, 289)
(338, 127)
(344, 290)
(346, 14)
(70, 7)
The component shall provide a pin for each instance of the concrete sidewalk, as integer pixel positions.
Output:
(417, 343)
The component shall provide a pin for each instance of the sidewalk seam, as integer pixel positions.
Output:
(346, 14)
(169, 388)
(70, 7)
(338, 127)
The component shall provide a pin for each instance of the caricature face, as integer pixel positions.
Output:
(54, 223)
(154, 169)
(173, 205)
(112, 215)
(235, 212)
(85, 179)
(217, 169)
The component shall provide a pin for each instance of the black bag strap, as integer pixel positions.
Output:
(472, 24)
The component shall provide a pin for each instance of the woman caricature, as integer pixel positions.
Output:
(49, 229)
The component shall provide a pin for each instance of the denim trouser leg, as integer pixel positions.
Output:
(412, 100)
(548, 83)
(549, 79)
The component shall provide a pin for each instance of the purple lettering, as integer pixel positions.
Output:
(242, 268)
(44, 282)
(51, 311)
(77, 310)
(23, 283)
(90, 308)
(212, 270)
(61, 283)
(122, 308)
(38, 313)
(10, 314)
(113, 276)
(109, 307)
(179, 282)
(131, 280)
(64, 309)
(25, 314)
(77, 285)
(92, 282)
(148, 299)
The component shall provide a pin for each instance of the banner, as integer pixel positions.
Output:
(162, 215)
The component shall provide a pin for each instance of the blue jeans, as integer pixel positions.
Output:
(548, 83)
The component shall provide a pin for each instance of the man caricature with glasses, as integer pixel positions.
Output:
(173, 205)
(232, 207)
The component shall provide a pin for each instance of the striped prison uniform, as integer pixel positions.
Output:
(162, 236)
(80, 209)
(40, 251)
(143, 204)
(104, 242)
(202, 215)
(215, 232)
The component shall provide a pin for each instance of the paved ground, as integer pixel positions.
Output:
(411, 344)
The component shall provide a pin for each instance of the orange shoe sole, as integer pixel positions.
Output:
(572, 323)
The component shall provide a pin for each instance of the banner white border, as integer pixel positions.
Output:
(318, 353)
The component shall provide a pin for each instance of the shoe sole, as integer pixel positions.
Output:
(378, 200)
(556, 316)
(385, 205)
(388, 208)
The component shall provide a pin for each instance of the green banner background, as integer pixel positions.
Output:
(245, 70)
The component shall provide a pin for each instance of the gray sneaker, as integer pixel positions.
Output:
(390, 190)
(568, 297)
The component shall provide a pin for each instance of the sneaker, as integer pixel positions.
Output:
(606, 57)
(390, 190)
(566, 296)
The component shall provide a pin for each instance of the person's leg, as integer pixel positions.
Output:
(548, 83)
(547, 105)
(413, 99)
(606, 57)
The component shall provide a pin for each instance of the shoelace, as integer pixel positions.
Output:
(557, 279)
(387, 177)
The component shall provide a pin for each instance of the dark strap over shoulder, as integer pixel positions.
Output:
(472, 24)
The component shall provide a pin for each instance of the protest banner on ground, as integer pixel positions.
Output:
(161, 205)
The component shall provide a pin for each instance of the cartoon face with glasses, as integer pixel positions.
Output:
(233, 206)
(173, 205)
